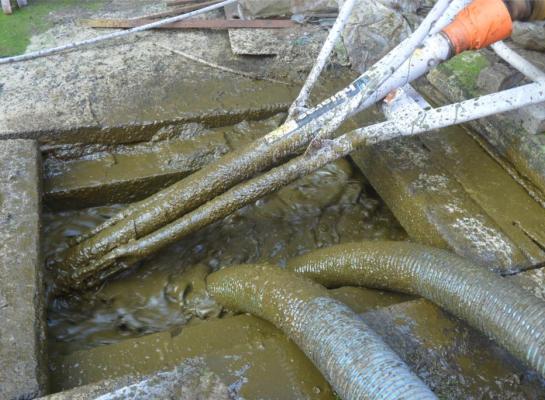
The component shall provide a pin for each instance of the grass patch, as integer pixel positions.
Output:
(16, 29)
(466, 68)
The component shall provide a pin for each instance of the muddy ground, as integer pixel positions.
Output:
(128, 111)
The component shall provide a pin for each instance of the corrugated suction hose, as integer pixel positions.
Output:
(502, 310)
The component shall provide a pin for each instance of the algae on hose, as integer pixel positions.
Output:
(97, 269)
(497, 307)
(178, 199)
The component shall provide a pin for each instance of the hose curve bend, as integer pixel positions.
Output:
(354, 360)
(497, 307)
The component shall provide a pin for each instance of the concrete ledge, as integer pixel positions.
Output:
(243, 351)
(22, 302)
(432, 205)
(126, 90)
(125, 174)
(79, 176)
(143, 130)
(190, 380)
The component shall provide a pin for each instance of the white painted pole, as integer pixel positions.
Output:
(324, 119)
(518, 62)
(433, 52)
(334, 34)
(365, 88)
(407, 123)
(248, 192)
(114, 35)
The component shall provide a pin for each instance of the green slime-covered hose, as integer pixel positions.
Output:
(354, 360)
(497, 307)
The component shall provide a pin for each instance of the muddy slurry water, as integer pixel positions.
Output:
(158, 316)
(331, 206)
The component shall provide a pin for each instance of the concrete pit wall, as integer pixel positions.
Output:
(22, 299)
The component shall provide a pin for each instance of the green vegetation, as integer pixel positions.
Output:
(16, 29)
(465, 68)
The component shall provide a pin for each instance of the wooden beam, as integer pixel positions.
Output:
(194, 24)
(180, 2)
(192, 7)
(177, 10)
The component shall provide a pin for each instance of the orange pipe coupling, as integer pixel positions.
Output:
(479, 25)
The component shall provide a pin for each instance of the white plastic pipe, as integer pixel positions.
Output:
(118, 34)
(518, 62)
(433, 51)
(407, 122)
(333, 37)
(333, 111)
(347, 102)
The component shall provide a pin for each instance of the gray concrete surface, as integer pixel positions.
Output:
(22, 301)
(512, 136)
(432, 206)
(189, 381)
(127, 90)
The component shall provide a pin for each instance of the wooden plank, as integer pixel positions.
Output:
(193, 7)
(194, 24)
(180, 2)
(172, 3)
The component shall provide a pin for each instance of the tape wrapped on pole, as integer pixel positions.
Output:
(479, 25)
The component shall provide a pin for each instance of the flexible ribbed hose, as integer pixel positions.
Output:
(497, 307)
(354, 360)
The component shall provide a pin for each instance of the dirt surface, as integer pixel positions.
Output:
(90, 94)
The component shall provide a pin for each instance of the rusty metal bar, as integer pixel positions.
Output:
(192, 7)
(193, 24)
